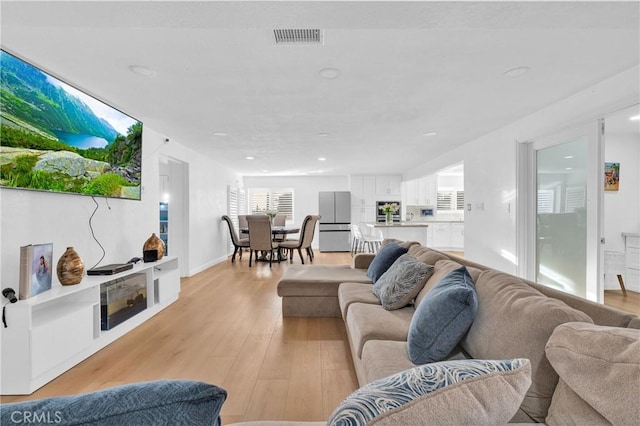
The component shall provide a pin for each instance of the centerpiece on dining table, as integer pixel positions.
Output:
(389, 209)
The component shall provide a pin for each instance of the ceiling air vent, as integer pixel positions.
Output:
(299, 36)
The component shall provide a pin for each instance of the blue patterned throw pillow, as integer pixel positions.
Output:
(402, 282)
(384, 259)
(161, 402)
(442, 318)
(479, 392)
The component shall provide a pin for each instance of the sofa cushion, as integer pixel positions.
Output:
(443, 318)
(401, 283)
(440, 269)
(515, 321)
(384, 259)
(349, 293)
(599, 369)
(425, 254)
(451, 392)
(148, 403)
(372, 322)
(382, 358)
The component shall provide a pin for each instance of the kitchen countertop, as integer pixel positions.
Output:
(401, 225)
(412, 224)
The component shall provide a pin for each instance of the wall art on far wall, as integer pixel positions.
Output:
(35, 269)
(611, 176)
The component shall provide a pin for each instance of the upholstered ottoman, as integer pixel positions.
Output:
(312, 290)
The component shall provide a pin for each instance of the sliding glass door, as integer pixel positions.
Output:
(567, 188)
(561, 213)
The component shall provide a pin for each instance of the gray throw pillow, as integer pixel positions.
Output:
(401, 283)
(384, 259)
(442, 318)
(463, 392)
(162, 402)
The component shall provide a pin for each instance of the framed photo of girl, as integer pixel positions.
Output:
(35, 269)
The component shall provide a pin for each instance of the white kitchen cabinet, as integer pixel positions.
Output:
(388, 186)
(457, 236)
(632, 248)
(427, 190)
(410, 192)
(363, 200)
(441, 235)
(430, 236)
(361, 214)
(421, 192)
(363, 188)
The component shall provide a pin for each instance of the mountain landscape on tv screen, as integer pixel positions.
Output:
(56, 138)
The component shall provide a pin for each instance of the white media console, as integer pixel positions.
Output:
(55, 330)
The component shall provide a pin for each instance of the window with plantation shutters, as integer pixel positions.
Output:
(545, 200)
(459, 200)
(275, 199)
(450, 201)
(575, 198)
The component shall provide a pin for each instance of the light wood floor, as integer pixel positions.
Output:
(227, 329)
(628, 303)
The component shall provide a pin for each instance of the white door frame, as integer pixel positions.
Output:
(526, 201)
(178, 185)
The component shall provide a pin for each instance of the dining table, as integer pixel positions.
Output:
(277, 231)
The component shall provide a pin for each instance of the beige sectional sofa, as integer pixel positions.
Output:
(515, 319)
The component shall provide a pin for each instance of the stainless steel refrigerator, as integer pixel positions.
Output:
(335, 220)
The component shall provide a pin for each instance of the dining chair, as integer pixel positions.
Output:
(279, 220)
(372, 237)
(242, 221)
(260, 237)
(307, 231)
(356, 239)
(238, 243)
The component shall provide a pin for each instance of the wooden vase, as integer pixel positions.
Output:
(70, 267)
(154, 243)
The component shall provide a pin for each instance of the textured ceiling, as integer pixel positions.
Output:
(405, 68)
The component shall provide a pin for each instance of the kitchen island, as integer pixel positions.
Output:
(438, 234)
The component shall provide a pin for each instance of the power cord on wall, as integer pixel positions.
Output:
(93, 234)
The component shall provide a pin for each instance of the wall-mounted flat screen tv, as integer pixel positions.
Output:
(54, 137)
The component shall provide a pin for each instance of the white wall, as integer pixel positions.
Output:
(622, 207)
(490, 165)
(305, 191)
(30, 217)
(208, 236)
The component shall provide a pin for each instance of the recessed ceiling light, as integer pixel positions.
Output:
(516, 72)
(635, 117)
(329, 73)
(265, 171)
(324, 135)
(321, 159)
(142, 70)
(568, 157)
(429, 134)
(220, 134)
(568, 168)
(248, 157)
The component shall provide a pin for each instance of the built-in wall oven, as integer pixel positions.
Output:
(381, 216)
